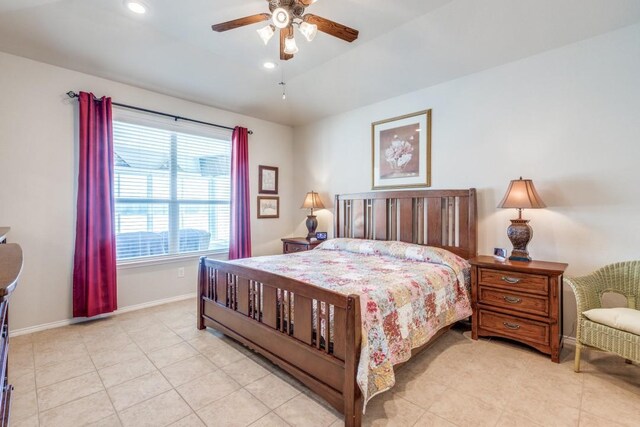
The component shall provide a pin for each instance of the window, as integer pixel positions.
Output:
(171, 188)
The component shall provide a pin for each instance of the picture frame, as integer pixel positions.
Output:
(268, 207)
(401, 151)
(267, 179)
(500, 254)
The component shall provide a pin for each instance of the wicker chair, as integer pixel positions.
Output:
(622, 278)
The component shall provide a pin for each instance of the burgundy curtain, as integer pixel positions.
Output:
(240, 239)
(94, 263)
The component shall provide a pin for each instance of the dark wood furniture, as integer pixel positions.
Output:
(251, 305)
(298, 244)
(10, 268)
(518, 300)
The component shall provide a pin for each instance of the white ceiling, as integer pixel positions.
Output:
(404, 45)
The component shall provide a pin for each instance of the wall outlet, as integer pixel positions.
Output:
(181, 272)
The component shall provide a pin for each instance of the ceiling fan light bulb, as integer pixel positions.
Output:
(266, 33)
(290, 46)
(309, 31)
(281, 18)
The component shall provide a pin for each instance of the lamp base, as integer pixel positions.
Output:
(312, 224)
(520, 234)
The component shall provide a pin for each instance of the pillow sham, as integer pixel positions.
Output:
(402, 250)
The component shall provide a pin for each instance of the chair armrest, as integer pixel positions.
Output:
(587, 291)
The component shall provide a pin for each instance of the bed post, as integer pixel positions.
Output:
(336, 218)
(473, 231)
(202, 279)
(351, 392)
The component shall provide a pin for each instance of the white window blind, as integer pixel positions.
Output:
(171, 188)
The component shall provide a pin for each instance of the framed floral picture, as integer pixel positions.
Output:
(268, 207)
(401, 151)
(267, 179)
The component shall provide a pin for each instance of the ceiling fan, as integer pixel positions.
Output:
(284, 15)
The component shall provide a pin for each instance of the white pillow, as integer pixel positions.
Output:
(626, 319)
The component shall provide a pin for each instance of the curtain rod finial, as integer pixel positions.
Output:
(72, 94)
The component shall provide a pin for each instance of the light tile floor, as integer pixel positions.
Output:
(154, 368)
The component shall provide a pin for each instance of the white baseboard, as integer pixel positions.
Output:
(569, 340)
(66, 322)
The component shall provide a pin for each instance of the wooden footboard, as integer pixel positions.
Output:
(288, 322)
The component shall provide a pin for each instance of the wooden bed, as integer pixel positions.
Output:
(248, 304)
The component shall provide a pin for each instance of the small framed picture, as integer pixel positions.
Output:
(321, 235)
(267, 179)
(268, 207)
(500, 254)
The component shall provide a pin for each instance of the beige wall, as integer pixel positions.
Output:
(38, 169)
(569, 119)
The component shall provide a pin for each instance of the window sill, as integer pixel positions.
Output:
(145, 262)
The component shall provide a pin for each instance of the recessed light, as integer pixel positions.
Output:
(269, 65)
(136, 7)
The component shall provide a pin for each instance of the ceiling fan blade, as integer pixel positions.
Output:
(332, 28)
(241, 22)
(306, 3)
(284, 33)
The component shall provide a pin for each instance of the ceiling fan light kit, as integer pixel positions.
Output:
(284, 15)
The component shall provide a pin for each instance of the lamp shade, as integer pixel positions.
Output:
(312, 201)
(309, 31)
(266, 33)
(290, 46)
(522, 194)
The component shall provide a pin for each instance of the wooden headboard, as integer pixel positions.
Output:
(442, 218)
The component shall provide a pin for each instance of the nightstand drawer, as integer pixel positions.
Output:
(525, 303)
(292, 245)
(514, 327)
(514, 281)
(290, 248)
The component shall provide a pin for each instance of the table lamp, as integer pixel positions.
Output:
(521, 194)
(312, 201)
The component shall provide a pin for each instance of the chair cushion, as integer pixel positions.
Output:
(625, 319)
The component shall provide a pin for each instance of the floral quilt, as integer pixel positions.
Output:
(407, 293)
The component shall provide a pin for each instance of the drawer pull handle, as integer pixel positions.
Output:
(512, 300)
(513, 326)
(512, 280)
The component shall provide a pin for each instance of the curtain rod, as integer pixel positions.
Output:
(72, 94)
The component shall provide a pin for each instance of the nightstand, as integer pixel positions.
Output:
(298, 244)
(518, 300)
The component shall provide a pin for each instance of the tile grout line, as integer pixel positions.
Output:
(106, 389)
(35, 382)
(193, 411)
(174, 389)
(156, 369)
(81, 340)
(103, 386)
(70, 401)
